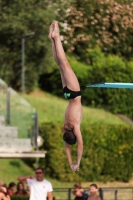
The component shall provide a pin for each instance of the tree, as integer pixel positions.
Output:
(107, 24)
(18, 18)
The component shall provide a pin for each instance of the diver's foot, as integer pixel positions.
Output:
(56, 31)
(51, 29)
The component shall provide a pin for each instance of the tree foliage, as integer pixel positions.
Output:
(18, 18)
(84, 25)
(107, 154)
(108, 24)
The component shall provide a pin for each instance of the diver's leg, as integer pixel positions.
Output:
(55, 54)
(63, 64)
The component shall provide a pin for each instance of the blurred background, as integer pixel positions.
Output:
(98, 40)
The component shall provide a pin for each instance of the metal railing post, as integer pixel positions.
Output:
(69, 193)
(116, 194)
(23, 60)
(101, 193)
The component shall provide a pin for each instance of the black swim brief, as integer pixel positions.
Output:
(69, 94)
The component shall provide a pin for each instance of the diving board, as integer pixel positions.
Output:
(110, 85)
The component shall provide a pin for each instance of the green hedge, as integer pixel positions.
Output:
(107, 152)
(110, 69)
(17, 197)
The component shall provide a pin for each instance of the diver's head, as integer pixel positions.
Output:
(69, 137)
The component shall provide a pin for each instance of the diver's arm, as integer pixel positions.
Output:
(68, 153)
(78, 135)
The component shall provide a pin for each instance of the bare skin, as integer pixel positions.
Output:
(3, 190)
(94, 197)
(73, 114)
(93, 194)
(2, 196)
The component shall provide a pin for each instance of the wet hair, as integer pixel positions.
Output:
(69, 137)
(94, 185)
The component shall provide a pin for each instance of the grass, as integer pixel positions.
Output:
(10, 169)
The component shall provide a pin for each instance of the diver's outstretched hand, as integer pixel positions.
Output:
(75, 167)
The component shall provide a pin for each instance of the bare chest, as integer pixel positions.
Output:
(73, 114)
(93, 197)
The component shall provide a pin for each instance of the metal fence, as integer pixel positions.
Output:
(121, 193)
(117, 193)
